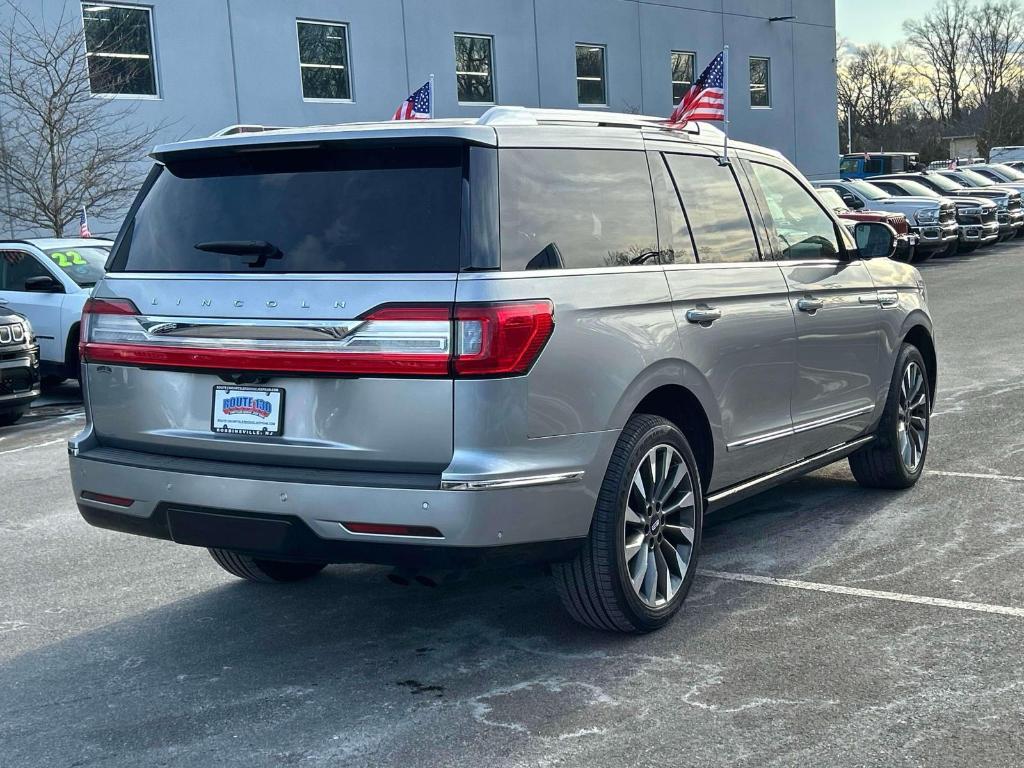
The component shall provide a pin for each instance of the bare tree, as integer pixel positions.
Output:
(996, 35)
(874, 82)
(940, 45)
(62, 147)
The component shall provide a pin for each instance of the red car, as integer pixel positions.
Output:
(905, 240)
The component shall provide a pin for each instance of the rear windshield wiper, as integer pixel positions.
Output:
(261, 249)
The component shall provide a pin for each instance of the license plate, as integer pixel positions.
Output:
(247, 410)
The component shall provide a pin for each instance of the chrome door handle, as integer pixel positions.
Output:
(810, 305)
(703, 316)
(888, 298)
(4, 301)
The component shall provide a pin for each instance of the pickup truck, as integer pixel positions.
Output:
(867, 164)
(906, 241)
(933, 220)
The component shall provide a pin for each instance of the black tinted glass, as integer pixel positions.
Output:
(473, 69)
(323, 59)
(16, 267)
(120, 49)
(318, 210)
(575, 209)
(717, 214)
(590, 74)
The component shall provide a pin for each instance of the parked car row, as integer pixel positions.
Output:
(950, 211)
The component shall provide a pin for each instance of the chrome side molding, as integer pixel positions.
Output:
(735, 493)
(511, 482)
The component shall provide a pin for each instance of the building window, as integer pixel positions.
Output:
(682, 74)
(760, 82)
(590, 74)
(323, 61)
(119, 49)
(474, 70)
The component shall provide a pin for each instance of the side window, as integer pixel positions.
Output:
(16, 267)
(892, 189)
(575, 208)
(805, 231)
(673, 231)
(717, 213)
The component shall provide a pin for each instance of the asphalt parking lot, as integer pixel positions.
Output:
(896, 638)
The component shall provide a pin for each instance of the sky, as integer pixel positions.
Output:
(877, 21)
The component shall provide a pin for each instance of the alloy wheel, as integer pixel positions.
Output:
(658, 526)
(912, 421)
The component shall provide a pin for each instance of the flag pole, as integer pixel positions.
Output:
(432, 94)
(725, 50)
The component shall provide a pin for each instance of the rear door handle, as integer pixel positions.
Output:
(888, 298)
(4, 301)
(703, 316)
(810, 305)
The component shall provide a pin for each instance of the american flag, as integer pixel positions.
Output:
(706, 98)
(419, 106)
(83, 223)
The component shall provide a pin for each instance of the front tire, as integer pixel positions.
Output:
(640, 557)
(264, 571)
(896, 457)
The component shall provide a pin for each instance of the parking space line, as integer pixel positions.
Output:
(876, 594)
(35, 445)
(977, 476)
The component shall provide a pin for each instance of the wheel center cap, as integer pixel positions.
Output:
(655, 524)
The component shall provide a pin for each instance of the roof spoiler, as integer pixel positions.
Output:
(235, 130)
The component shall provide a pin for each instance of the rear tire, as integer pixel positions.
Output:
(896, 458)
(11, 417)
(640, 557)
(264, 571)
(922, 256)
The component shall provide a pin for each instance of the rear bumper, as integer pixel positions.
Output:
(469, 518)
(289, 537)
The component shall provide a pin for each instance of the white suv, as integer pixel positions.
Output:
(48, 281)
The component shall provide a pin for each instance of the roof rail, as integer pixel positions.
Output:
(531, 116)
(234, 130)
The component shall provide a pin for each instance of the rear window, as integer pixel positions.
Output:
(302, 210)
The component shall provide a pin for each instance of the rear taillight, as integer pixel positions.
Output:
(501, 339)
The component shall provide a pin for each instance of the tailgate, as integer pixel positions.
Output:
(259, 370)
(250, 310)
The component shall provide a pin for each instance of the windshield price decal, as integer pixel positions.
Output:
(67, 259)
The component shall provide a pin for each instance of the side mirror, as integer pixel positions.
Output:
(43, 284)
(875, 240)
(853, 202)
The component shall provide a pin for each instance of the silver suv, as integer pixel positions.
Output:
(537, 335)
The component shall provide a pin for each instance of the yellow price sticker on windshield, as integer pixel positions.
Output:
(67, 259)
